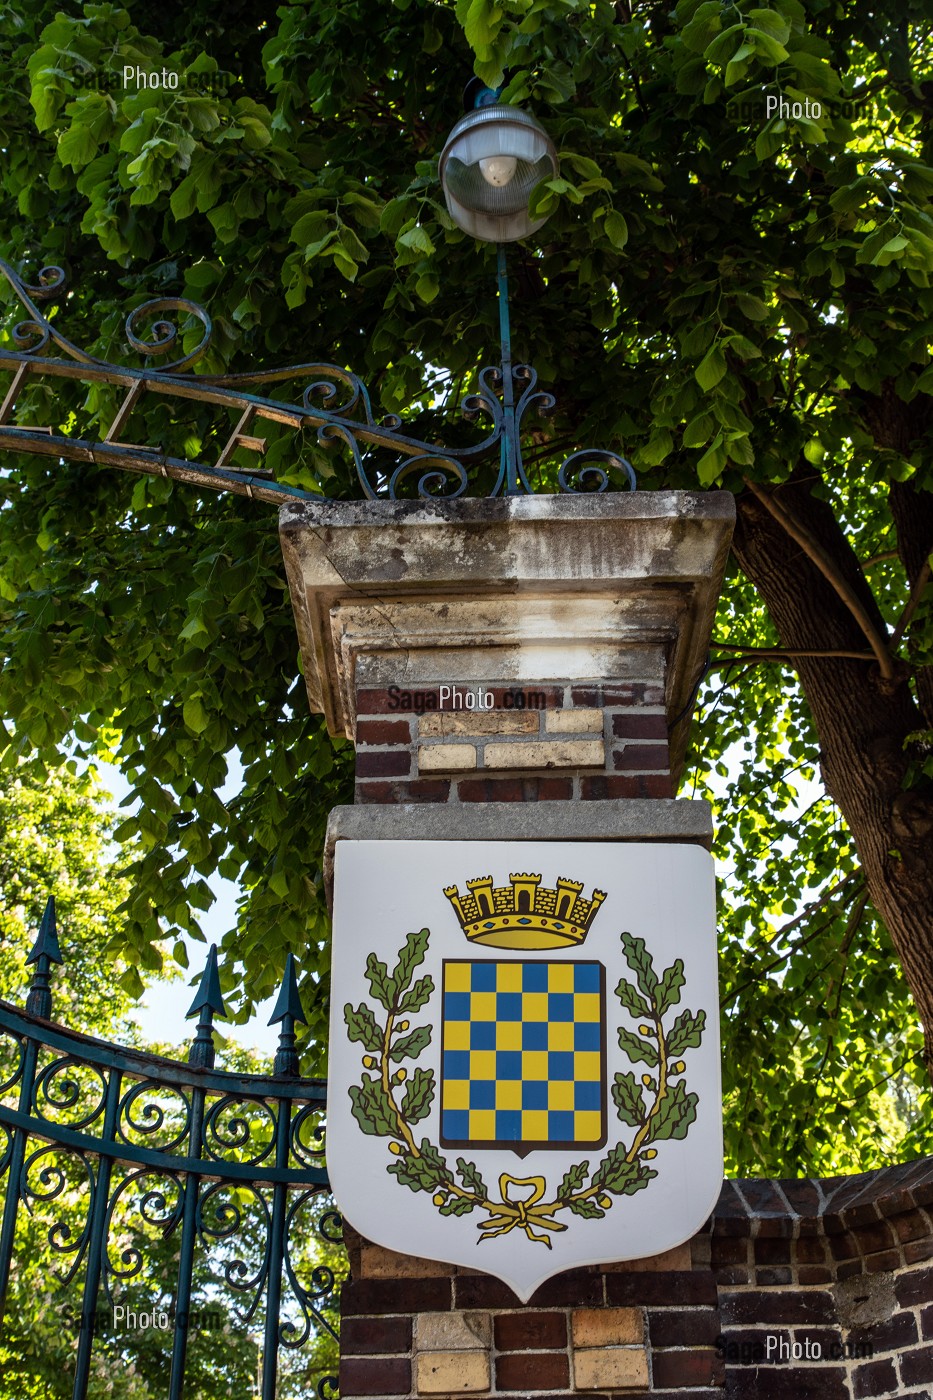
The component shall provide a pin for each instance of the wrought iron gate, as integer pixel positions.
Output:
(139, 1156)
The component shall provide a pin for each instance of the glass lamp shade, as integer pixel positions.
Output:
(491, 162)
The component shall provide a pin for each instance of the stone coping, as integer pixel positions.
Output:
(634, 819)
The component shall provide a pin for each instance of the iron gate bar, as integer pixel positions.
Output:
(285, 1105)
(504, 396)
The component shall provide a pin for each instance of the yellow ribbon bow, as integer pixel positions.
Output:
(521, 1212)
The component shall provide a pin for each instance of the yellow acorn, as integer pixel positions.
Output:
(650, 1153)
(368, 1061)
(605, 1202)
(644, 1030)
(647, 1080)
(395, 1148)
(401, 1076)
(439, 1199)
(679, 1067)
(403, 1025)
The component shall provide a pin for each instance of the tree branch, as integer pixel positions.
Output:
(916, 593)
(815, 551)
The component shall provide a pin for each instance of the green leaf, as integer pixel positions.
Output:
(697, 432)
(361, 1025)
(637, 1048)
(640, 961)
(672, 981)
(372, 1108)
(770, 22)
(411, 1046)
(632, 1000)
(711, 368)
(411, 956)
(587, 1209)
(77, 147)
(380, 983)
(458, 1205)
(419, 1095)
(676, 1111)
(417, 239)
(418, 1173)
(574, 1179)
(195, 715)
(620, 1177)
(627, 1096)
(469, 1175)
(418, 996)
(686, 1033)
(616, 229)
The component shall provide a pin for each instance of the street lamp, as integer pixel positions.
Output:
(489, 166)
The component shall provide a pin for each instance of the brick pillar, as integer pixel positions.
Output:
(533, 660)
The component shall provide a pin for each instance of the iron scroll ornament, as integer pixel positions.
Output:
(335, 402)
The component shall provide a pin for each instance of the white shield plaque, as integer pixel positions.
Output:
(524, 1051)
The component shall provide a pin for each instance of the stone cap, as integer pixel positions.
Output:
(587, 575)
(635, 819)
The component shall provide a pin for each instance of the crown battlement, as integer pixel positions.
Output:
(523, 913)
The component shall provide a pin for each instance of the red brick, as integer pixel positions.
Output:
(394, 763)
(397, 794)
(375, 1376)
(911, 1225)
(683, 1327)
(374, 1336)
(379, 1296)
(641, 758)
(383, 731)
(632, 725)
(876, 1378)
(687, 1368)
(526, 1331)
(623, 694)
(917, 1366)
(532, 1370)
(576, 1288)
(874, 1237)
(601, 788)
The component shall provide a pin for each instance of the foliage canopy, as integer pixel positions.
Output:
(736, 299)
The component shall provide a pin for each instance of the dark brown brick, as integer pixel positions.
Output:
(601, 788)
(918, 1251)
(761, 1196)
(915, 1287)
(379, 1296)
(772, 1251)
(532, 1370)
(774, 1227)
(383, 731)
(926, 1323)
(631, 725)
(874, 1237)
(917, 1366)
(375, 1376)
(850, 1268)
(777, 1309)
(803, 1196)
(490, 790)
(394, 763)
(875, 1378)
(732, 1275)
(526, 1331)
(886, 1262)
(894, 1333)
(843, 1247)
(775, 1277)
(683, 1327)
(375, 1336)
(641, 758)
(397, 794)
(786, 1383)
(911, 1225)
(687, 1368)
(810, 1250)
(670, 1290)
(725, 1249)
(810, 1274)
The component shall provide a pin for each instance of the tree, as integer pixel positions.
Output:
(737, 294)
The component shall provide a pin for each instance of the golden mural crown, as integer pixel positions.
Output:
(524, 913)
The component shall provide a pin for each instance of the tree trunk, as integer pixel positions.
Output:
(863, 721)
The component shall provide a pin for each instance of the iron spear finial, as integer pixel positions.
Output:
(45, 952)
(209, 1003)
(288, 1010)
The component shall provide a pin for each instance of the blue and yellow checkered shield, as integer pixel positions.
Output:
(523, 1061)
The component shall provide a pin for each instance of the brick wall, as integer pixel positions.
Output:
(794, 1290)
(541, 742)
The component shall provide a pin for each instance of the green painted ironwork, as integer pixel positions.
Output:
(181, 1148)
(386, 462)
